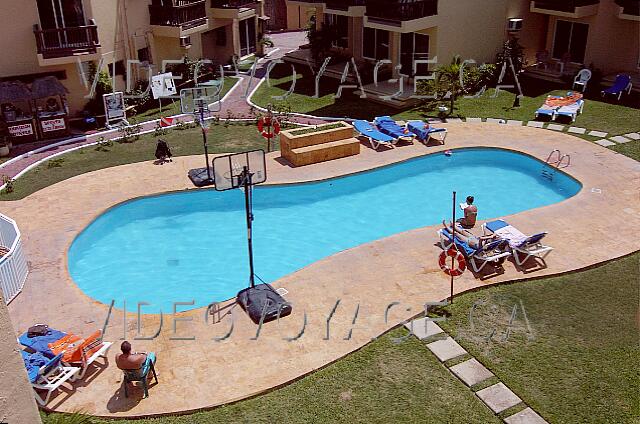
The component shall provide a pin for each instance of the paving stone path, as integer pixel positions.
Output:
(498, 397)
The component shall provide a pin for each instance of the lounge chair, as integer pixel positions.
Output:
(547, 110)
(375, 137)
(581, 79)
(522, 246)
(390, 127)
(46, 373)
(620, 85)
(423, 131)
(490, 252)
(41, 343)
(572, 111)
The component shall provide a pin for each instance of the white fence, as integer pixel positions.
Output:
(13, 265)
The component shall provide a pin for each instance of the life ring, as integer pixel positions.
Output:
(460, 265)
(268, 127)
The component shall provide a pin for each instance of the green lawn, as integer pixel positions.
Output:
(613, 118)
(384, 382)
(221, 139)
(171, 107)
(581, 364)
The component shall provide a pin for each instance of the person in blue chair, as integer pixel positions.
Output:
(128, 360)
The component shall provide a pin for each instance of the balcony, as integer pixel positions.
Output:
(233, 9)
(566, 8)
(232, 4)
(178, 18)
(401, 16)
(66, 42)
(629, 9)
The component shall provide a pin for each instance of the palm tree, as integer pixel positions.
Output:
(448, 80)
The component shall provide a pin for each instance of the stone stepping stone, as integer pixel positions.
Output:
(446, 349)
(555, 127)
(577, 130)
(514, 122)
(454, 120)
(620, 139)
(471, 372)
(423, 328)
(633, 136)
(474, 120)
(498, 397)
(535, 124)
(598, 134)
(605, 143)
(493, 120)
(526, 416)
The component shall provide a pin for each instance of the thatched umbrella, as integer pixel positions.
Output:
(14, 91)
(47, 87)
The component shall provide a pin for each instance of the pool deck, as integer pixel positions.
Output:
(600, 223)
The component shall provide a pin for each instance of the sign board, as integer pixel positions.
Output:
(114, 108)
(163, 85)
(227, 170)
(53, 125)
(21, 130)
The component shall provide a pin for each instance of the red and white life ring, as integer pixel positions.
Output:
(268, 127)
(460, 265)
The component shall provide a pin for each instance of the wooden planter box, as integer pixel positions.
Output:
(318, 146)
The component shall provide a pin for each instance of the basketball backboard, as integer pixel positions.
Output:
(228, 169)
(192, 99)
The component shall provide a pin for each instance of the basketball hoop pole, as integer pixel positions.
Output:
(246, 177)
(204, 140)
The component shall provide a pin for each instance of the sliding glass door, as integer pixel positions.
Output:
(247, 36)
(413, 46)
(570, 40)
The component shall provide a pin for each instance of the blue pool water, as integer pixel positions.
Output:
(191, 246)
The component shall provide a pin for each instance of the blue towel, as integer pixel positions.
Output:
(533, 239)
(33, 362)
(41, 343)
(494, 226)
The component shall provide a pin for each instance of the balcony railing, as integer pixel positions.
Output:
(342, 4)
(563, 5)
(62, 42)
(182, 13)
(629, 7)
(398, 11)
(232, 4)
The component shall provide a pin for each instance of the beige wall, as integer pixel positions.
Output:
(17, 405)
(298, 15)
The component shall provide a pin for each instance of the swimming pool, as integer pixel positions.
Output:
(191, 246)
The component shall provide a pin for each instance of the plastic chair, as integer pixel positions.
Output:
(131, 376)
(581, 80)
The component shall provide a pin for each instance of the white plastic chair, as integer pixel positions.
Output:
(581, 79)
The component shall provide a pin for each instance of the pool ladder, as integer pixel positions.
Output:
(555, 161)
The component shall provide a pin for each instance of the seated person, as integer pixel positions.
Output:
(470, 213)
(467, 236)
(128, 360)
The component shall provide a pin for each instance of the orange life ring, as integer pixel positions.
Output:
(460, 264)
(268, 127)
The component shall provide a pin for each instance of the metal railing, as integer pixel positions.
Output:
(61, 42)
(563, 5)
(182, 13)
(13, 265)
(399, 11)
(232, 4)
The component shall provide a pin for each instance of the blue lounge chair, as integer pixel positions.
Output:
(571, 111)
(546, 110)
(46, 374)
(423, 131)
(522, 246)
(491, 252)
(620, 85)
(375, 137)
(390, 127)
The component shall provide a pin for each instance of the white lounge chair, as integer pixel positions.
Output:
(49, 376)
(572, 111)
(90, 350)
(523, 247)
(490, 252)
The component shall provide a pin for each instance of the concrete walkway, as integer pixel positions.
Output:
(203, 372)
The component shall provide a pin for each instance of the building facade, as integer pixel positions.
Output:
(603, 34)
(62, 37)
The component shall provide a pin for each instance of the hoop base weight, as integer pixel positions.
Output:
(263, 300)
(199, 178)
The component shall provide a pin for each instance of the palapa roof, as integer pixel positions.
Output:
(13, 91)
(46, 87)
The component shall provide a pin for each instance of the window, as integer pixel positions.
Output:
(60, 13)
(221, 36)
(120, 68)
(247, 36)
(570, 40)
(375, 43)
(414, 46)
(341, 25)
(144, 55)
